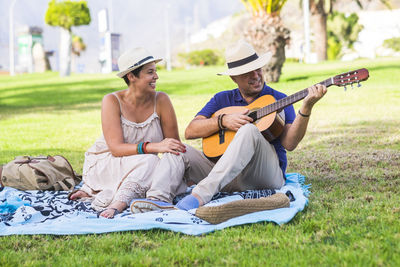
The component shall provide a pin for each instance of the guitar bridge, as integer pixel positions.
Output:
(221, 135)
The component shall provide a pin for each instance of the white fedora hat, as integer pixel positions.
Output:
(242, 58)
(133, 59)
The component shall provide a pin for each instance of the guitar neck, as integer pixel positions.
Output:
(287, 101)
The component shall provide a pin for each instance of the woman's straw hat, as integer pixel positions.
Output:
(242, 58)
(133, 59)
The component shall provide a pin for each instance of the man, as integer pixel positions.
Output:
(250, 161)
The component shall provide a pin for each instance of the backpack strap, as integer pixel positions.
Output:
(78, 176)
(63, 186)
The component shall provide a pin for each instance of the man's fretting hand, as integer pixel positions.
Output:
(315, 93)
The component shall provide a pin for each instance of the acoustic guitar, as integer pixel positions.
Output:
(265, 113)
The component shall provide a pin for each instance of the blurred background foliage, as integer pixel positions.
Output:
(392, 43)
(205, 57)
(343, 32)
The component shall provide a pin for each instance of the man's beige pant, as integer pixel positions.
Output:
(250, 162)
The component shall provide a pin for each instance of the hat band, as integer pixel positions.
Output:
(141, 61)
(242, 61)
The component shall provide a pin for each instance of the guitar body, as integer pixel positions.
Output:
(271, 126)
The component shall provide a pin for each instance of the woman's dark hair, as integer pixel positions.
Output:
(134, 72)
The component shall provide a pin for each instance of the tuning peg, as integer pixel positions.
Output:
(358, 84)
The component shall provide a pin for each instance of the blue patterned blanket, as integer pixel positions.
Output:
(46, 212)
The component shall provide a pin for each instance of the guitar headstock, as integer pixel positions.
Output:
(351, 77)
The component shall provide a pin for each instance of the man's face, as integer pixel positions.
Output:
(251, 83)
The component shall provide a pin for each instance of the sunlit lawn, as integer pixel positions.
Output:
(350, 155)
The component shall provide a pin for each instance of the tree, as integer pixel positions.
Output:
(265, 31)
(66, 14)
(320, 9)
(342, 33)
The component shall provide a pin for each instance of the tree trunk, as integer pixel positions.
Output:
(318, 22)
(65, 52)
(267, 34)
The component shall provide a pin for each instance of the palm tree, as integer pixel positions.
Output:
(265, 31)
(320, 9)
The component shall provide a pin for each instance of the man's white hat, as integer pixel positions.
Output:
(133, 59)
(242, 58)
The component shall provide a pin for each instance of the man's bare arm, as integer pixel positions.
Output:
(202, 126)
(294, 133)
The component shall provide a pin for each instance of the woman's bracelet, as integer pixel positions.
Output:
(144, 147)
(140, 148)
(304, 115)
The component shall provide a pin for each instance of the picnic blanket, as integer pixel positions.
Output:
(50, 212)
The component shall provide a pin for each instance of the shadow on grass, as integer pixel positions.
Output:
(45, 95)
(298, 78)
(80, 95)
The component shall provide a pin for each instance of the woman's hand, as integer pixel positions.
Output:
(168, 145)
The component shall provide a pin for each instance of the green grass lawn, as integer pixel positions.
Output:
(350, 155)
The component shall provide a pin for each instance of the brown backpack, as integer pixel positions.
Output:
(39, 173)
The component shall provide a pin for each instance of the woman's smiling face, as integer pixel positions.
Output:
(148, 76)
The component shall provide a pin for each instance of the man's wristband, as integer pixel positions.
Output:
(220, 126)
(304, 115)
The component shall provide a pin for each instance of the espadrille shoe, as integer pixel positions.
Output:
(146, 205)
(224, 212)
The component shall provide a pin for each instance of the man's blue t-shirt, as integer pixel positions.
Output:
(234, 98)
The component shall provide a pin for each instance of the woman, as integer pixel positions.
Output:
(137, 123)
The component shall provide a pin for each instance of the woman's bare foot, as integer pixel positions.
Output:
(78, 195)
(113, 209)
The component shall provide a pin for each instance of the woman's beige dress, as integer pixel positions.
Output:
(107, 178)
